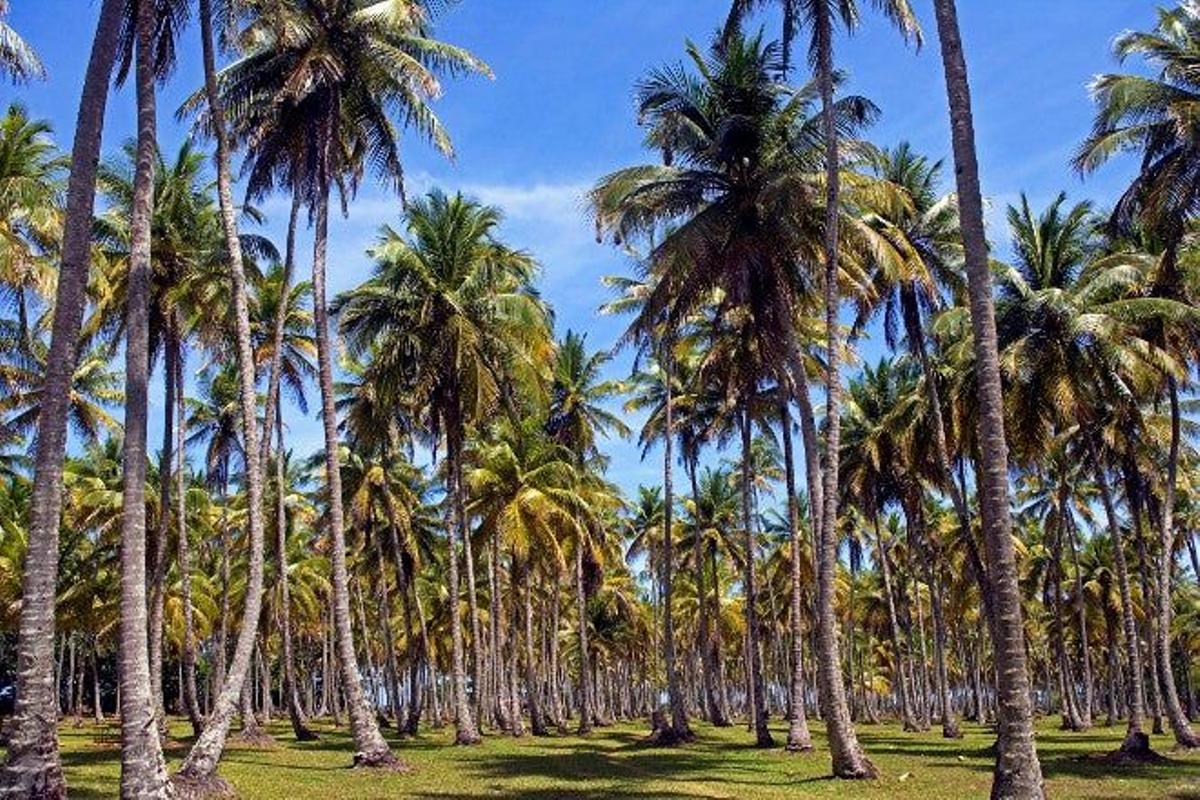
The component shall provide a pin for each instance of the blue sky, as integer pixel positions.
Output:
(559, 114)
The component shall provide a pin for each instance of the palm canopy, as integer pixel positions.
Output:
(451, 311)
(739, 198)
(1153, 115)
(577, 414)
(31, 188)
(17, 59)
(320, 85)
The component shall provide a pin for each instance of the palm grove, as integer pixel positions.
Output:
(994, 520)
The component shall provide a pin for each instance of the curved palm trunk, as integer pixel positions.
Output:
(1135, 737)
(295, 715)
(758, 711)
(371, 750)
(849, 760)
(799, 739)
(1184, 735)
(143, 770)
(406, 589)
(190, 698)
(679, 724)
(465, 731)
(32, 766)
(200, 765)
(586, 706)
(1018, 773)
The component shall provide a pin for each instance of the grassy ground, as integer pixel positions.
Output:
(612, 763)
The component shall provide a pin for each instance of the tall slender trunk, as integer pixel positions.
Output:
(716, 713)
(33, 766)
(295, 715)
(679, 723)
(190, 699)
(472, 598)
(906, 718)
(1018, 773)
(1134, 494)
(757, 701)
(143, 770)
(537, 723)
(370, 747)
(158, 543)
(799, 739)
(465, 731)
(586, 704)
(1085, 656)
(1135, 737)
(849, 760)
(502, 704)
(1184, 735)
(200, 765)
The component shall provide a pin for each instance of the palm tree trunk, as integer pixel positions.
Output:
(32, 765)
(295, 715)
(200, 765)
(906, 718)
(537, 724)
(849, 760)
(369, 745)
(143, 770)
(502, 704)
(1136, 739)
(1184, 735)
(1085, 657)
(190, 699)
(679, 724)
(158, 545)
(1018, 773)
(465, 731)
(586, 706)
(758, 711)
(1134, 487)
(716, 714)
(472, 603)
(799, 739)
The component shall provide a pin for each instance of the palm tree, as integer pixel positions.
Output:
(33, 763)
(1018, 773)
(1140, 113)
(31, 186)
(340, 69)
(739, 232)
(17, 58)
(143, 770)
(453, 308)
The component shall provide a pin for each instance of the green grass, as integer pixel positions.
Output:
(612, 763)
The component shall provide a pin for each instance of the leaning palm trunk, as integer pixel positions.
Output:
(200, 767)
(1018, 773)
(758, 711)
(799, 739)
(1135, 739)
(849, 760)
(143, 770)
(33, 767)
(1184, 735)
(369, 745)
